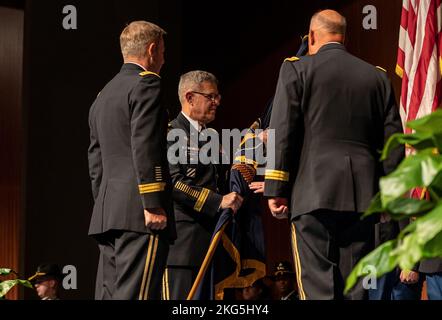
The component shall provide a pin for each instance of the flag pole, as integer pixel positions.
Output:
(207, 260)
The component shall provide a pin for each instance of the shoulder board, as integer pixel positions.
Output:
(145, 73)
(294, 58)
(380, 68)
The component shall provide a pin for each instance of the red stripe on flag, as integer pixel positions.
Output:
(404, 18)
(411, 24)
(420, 77)
(404, 91)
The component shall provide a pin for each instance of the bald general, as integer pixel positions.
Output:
(326, 26)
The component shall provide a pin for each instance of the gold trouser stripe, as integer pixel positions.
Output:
(165, 291)
(146, 267)
(151, 266)
(276, 175)
(166, 272)
(151, 187)
(201, 199)
(297, 264)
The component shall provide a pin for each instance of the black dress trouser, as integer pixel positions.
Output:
(326, 246)
(131, 266)
(178, 281)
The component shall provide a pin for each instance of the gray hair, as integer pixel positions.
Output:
(333, 26)
(192, 80)
(137, 36)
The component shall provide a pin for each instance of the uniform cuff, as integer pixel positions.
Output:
(212, 203)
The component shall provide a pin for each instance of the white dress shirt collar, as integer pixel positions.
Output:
(194, 123)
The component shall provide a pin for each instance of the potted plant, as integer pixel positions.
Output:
(7, 285)
(422, 238)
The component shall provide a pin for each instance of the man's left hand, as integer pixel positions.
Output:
(257, 186)
(279, 207)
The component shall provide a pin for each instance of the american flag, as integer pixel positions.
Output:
(419, 61)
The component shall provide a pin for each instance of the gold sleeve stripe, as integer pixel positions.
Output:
(145, 73)
(151, 187)
(244, 160)
(201, 199)
(380, 68)
(277, 175)
(187, 190)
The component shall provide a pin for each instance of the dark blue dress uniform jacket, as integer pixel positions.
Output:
(127, 155)
(331, 114)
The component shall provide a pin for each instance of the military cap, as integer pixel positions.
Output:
(47, 271)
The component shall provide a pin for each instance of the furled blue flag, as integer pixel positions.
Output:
(236, 255)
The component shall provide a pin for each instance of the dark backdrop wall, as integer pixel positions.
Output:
(64, 71)
(243, 45)
(11, 137)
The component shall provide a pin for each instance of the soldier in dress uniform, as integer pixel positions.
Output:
(46, 281)
(132, 219)
(331, 114)
(196, 196)
(284, 278)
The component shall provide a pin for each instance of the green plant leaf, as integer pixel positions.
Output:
(419, 141)
(381, 258)
(428, 134)
(375, 206)
(414, 171)
(405, 207)
(6, 271)
(430, 123)
(400, 208)
(433, 248)
(436, 187)
(416, 236)
(7, 285)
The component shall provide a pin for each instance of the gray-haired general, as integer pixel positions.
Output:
(196, 195)
(332, 112)
(132, 219)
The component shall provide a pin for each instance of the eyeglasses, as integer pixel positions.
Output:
(214, 97)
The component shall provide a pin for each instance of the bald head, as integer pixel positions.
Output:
(326, 26)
